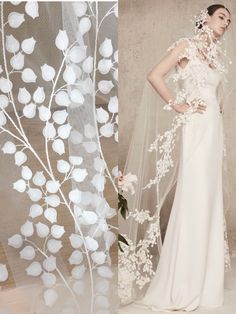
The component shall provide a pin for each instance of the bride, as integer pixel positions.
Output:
(194, 255)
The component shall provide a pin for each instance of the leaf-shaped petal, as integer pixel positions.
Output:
(28, 76)
(50, 297)
(15, 241)
(9, 148)
(106, 48)
(35, 211)
(89, 131)
(5, 85)
(62, 99)
(34, 194)
(78, 272)
(32, 9)
(42, 230)
(90, 147)
(15, 19)
(48, 72)
(49, 264)
(105, 271)
(23, 96)
(20, 158)
(52, 186)
(91, 243)
(104, 66)
(89, 217)
(76, 137)
(34, 269)
(50, 214)
(26, 173)
(98, 257)
(53, 200)
(79, 174)
(57, 231)
(115, 75)
(110, 239)
(63, 166)
(29, 111)
(76, 160)
(107, 130)
(76, 257)
(17, 61)
(28, 45)
(80, 8)
(60, 116)
(20, 186)
(27, 229)
(84, 25)
(75, 241)
(62, 40)
(4, 101)
(44, 113)
(54, 246)
(76, 96)
(28, 253)
(98, 182)
(49, 131)
(64, 131)
(75, 196)
(88, 65)
(102, 115)
(49, 280)
(105, 86)
(78, 53)
(99, 164)
(39, 178)
(3, 273)
(3, 119)
(39, 95)
(58, 146)
(12, 44)
(69, 75)
(113, 104)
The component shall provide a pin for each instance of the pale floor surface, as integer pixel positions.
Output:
(229, 306)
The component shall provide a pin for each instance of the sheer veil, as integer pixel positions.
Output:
(154, 149)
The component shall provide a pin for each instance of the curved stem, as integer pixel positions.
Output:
(58, 271)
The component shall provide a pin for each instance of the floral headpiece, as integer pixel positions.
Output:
(199, 20)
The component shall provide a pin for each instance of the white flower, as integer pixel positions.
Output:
(34, 269)
(87, 86)
(107, 130)
(80, 8)
(64, 131)
(39, 178)
(49, 264)
(20, 158)
(98, 257)
(78, 53)
(28, 45)
(106, 48)
(90, 147)
(78, 272)
(3, 119)
(15, 241)
(9, 148)
(60, 116)
(89, 217)
(98, 182)
(54, 245)
(109, 238)
(34, 194)
(27, 229)
(76, 96)
(3, 273)
(26, 173)
(5, 85)
(102, 115)
(28, 76)
(29, 111)
(104, 66)
(105, 86)
(84, 25)
(44, 113)
(63, 166)
(126, 182)
(39, 95)
(32, 9)
(49, 131)
(12, 44)
(57, 231)
(113, 104)
(50, 297)
(99, 164)
(15, 19)
(3, 101)
(49, 280)
(75, 160)
(91, 244)
(76, 258)
(48, 72)
(50, 214)
(19, 186)
(23, 96)
(35, 211)
(17, 61)
(53, 200)
(42, 230)
(89, 131)
(75, 196)
(62, 40)
(62, 99)
(58, 146)
(69, 75)
(88, 65)
(75, 241)
(76, 137)
(79, 174)
(28, 253)
(52, 186)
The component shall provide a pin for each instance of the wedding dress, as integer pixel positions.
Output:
(190, 271)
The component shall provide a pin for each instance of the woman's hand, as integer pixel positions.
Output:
(181, 108)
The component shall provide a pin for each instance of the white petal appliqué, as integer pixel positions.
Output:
(34, 269)
(102, 115)
(78, 272)
(105, 271)
(42, 230)
(50, 214)
(20, 158)
(75, 241)
(106, 48)
(32, 9)
(44, 113)
(63, 166)
(89, 217)
(88, 65)
(75, 196)
(75, 160)
(3, 119)
(54, 245)
(39, 95)
(5, 85)
(58, 146)
(28, 76)
(20, 186)
(28, 45)
(39, 178)
(49, 131)
(69, 75)
(89, 131)
(57, 231)
(52, 186)
(79, 174)
(53, 200)
(49, 264)
(62, 40)
(49, 280)
(84, 25)
(35, 211)
(27, 253)
(48, 72)
(78, 53)
(64, 131)
(104, 66)
(17, 61)
(107, 130)
(76, 258)
(80, 8)
(35, 194)
(4, 101)
(9, 148)
(23, 96)
(113, 104)
(27, 229)
(98, 257)
(62, 99)
(15, 19)
(3, 273)
(29, 111)
(91, 244)
(26, 173)
(12, 44)
(50, 297)
(15, 241)
(90, 147)
(98, 182)
(60, 116)
(105, 86)
(76, 96)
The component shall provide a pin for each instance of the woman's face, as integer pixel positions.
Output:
(219, 21)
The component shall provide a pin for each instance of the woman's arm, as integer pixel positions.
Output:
(157, 74)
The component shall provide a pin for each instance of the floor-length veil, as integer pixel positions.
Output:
(154, 155)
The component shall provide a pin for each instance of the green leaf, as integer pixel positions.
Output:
(123, 240)
(122, 205)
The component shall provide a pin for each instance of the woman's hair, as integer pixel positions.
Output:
(211, 10)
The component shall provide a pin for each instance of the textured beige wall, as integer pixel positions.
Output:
(143, 29)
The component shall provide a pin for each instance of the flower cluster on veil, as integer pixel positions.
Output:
(136, 266)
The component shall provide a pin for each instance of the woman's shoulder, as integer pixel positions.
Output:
(181, 43)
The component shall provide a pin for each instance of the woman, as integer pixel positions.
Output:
(190, 272)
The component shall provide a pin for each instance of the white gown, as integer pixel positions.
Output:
(190, 273)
